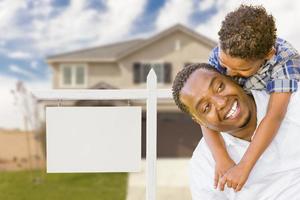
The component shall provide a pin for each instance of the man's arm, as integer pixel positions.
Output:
(267, 129)
(217, 147)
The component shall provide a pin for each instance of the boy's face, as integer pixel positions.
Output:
(239, 67)
(216, 102)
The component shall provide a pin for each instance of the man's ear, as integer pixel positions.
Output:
(198, 121)
(195, 120)
(202, 124)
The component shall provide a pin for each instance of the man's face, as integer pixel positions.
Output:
(239, 67)
(216, 102)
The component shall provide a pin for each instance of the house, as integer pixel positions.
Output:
(126, 64)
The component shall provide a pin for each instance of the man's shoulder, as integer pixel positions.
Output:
(261, 99)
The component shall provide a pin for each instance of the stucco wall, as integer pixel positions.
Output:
(163, 50)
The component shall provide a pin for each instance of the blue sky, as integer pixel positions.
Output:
(23, 54)
(34, 29)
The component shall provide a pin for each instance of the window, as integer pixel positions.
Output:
(162, 70)
(79, 75)
(67, 75)
(73, 75)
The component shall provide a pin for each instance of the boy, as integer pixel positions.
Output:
(251, 54)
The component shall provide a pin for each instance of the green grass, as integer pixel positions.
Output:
(20, 186)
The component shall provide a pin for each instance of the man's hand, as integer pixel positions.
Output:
(221, 168)
(235, 177)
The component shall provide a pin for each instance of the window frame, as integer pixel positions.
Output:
(73, 67)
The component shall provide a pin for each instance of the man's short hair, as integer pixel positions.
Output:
(181, 78)
(248, 33)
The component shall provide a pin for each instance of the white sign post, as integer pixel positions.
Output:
(151, 94)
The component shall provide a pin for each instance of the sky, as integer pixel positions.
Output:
(31, 30)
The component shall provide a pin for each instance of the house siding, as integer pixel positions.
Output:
(120, 74)
(163, 50)
(56, 76)
(105, 72)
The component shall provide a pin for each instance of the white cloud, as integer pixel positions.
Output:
(21, 71)
(119, 19)
(205, 4)
(42, 8)
(174, 11)
(34, 65)
(80, 26)
(285, 13)
(19, 55)
(14, 54)
(51, 29)
(2, 43)
(9, 15)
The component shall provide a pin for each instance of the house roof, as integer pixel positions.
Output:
(101, 53)
(116, 51)
(205, 40)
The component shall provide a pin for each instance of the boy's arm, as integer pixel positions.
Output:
(267, 129)
(216, 144)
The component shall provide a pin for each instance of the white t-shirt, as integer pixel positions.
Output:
(276, 170)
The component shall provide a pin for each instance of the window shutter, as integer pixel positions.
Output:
(136, 72)
(146, 67)
(168, 72)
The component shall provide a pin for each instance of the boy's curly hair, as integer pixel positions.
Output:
(248, 32)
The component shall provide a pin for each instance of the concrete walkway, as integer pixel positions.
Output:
(172, 181)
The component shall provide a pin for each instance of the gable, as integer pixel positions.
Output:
(167, 33)
(175, 46)
(118, 51)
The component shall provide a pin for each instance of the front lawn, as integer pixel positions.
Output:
(41, 186)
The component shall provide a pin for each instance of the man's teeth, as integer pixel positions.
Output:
(232, 110)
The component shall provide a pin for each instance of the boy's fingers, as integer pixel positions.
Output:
(229, 184)
(222, 183)
(234, 185)
(238, 188)
(216, 180)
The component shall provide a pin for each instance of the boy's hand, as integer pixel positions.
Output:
(235, 177)
(221, 168)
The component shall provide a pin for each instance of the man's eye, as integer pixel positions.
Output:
(220, 87)
(206, 108)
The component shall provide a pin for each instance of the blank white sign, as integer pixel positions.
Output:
(93, 139)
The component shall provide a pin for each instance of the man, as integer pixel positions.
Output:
(215, 101)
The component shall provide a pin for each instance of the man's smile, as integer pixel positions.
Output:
(234, 111)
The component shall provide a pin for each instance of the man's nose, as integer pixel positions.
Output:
(219, 101)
